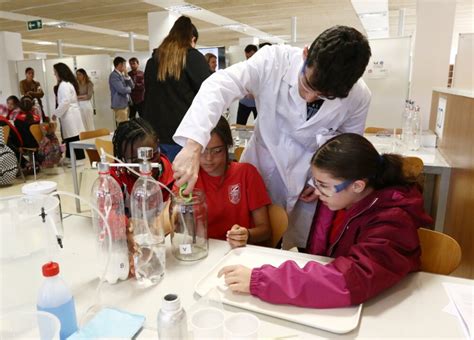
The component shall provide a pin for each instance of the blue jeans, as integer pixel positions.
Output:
(170, 150)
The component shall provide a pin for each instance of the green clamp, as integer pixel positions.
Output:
(181, 189)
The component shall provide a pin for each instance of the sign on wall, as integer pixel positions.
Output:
(34, 25)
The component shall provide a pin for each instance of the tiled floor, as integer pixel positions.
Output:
(63, 178)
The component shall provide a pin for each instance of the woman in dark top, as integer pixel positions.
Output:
(173, 76)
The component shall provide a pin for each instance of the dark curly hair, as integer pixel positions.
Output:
(65, 74)
(130, 132)
(338, 57)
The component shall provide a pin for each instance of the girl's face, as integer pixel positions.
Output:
(213, 159)
(335, 193)
(11, 105)
(129, 153)
(79, 77)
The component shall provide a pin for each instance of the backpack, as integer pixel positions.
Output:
(8, 163)
(49, 151)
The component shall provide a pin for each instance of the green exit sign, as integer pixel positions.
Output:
(34, 25)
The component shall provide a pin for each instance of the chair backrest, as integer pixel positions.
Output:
(413, 167)
(6, 133)
(93, 155)
(238, 152)
(440, 253)
(106, 145)
(37, 133)
(278, 223)
(373, 129)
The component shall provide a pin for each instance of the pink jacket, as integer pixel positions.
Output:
(377, 247)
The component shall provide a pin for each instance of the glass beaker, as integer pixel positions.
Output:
(189, 226)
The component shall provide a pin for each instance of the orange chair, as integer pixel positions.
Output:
(440, 253)
(93, 155)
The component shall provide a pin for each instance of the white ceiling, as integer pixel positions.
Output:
(89, 26)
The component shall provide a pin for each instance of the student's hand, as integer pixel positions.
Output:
(237, 277)
(308, 194)
(186, 165)
(54, 118)
(237, 236)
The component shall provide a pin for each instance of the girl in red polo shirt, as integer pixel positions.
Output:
(235, 193)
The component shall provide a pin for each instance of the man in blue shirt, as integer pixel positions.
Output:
(121, 86)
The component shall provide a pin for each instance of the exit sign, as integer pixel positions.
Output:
(34, 25)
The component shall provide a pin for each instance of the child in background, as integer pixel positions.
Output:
(129, 136)
(49, 150)
(235, 194)
(26, 118)
(13, 106)
(367, 219)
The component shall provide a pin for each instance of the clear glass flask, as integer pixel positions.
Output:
(189, 226)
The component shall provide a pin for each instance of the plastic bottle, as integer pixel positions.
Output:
(415, 142)
(406, 123)
(171, 319)
(55, 297)
(108, 199)
(146, 203)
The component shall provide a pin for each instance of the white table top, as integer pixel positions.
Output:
(411, 309)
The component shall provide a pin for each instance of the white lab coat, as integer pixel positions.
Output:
(68, 111)
(283, 141)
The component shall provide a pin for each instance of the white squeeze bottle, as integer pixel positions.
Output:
(107, 197)
(55, 297)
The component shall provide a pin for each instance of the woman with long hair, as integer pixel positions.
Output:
(68, 110)
(173, 76)
(86, 91)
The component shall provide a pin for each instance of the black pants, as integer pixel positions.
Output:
(243, 114)
(78, 152)
(134, 108)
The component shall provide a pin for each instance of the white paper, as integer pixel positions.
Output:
(462, 298)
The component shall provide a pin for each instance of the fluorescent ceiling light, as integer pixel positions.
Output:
(372, 14)
(184, 8)
(236, 27)
(381, 29)
(44, 43)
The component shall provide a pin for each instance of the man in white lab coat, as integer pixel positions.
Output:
(303, 97)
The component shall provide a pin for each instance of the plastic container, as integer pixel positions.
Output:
(107, 197)
(29, 325)
(146, 204)
(415, 142)
(46, 188)
(189, 239)
(27, 241)
(171, 320)
(55, 297)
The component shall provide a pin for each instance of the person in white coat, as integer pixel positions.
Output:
(303, 97)
(68, 110)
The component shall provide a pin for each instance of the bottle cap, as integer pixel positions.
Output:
(50, 269)
(171, 303)
(145, 153)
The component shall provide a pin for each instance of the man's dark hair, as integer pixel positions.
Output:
(28, 69)
(118, 61)
(250, 48)
(338, 57)
(264, 44)
(133, 59)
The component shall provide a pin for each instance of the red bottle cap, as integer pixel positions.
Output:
(50, 269)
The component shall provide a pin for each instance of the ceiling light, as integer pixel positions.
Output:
(98, 48)
(44, 43)
(380, 29)
(372, 14)
(184, 8)
(236, 27)
(58, 24)
(126, 35)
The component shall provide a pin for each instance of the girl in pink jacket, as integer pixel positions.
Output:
(366, 219)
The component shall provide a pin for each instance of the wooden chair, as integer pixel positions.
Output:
(93, 155)
(440, 253)
(6, 133)
(240, 126)
(278, 223)
(238, 152)
(413, 168)
(108, 147)
(388, 131)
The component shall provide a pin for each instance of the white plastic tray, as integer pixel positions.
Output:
(335, 320)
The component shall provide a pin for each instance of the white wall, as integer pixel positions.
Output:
(389, 89)
(11, 49)
(463, 67)
(159, 25)
(434, 31)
